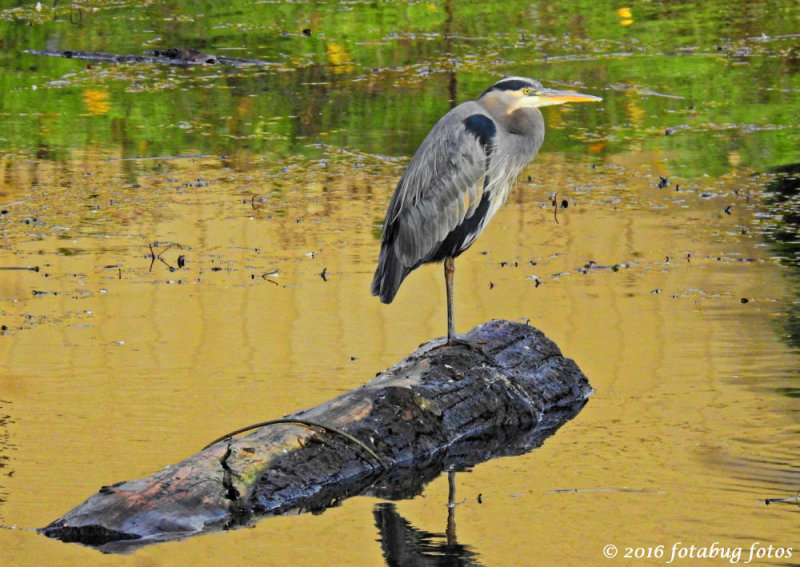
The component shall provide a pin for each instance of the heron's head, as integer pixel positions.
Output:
(513, 93)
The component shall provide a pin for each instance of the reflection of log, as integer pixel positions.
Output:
(440, 407)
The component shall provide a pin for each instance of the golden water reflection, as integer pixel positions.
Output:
(114, 363)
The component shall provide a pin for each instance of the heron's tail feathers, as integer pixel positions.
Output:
(389, 275)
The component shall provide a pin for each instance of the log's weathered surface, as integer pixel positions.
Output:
(441, 407)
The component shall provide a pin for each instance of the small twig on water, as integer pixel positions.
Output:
(266, 278)
(788, 500)
(153, 257)
(635, 490)
(555, 207)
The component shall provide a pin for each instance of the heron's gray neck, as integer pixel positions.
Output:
(526, 125)
(527, 122)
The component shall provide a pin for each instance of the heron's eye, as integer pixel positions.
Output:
(526, 91)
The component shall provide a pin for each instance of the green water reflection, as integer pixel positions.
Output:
(721, 78)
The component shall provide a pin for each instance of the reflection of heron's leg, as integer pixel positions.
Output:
(449, 270)
(451, 508)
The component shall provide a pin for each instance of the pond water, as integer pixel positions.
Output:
(204, 238)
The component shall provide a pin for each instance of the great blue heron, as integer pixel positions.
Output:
(458, 178)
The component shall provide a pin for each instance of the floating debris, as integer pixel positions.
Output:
(22, 268)
(172, 56)
(789, 500)
(536, 280)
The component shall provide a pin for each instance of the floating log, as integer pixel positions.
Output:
(172, 56)
(441, 408)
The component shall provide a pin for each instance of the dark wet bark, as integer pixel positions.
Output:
(440, 408)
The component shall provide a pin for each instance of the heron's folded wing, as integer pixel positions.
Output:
(442, 185)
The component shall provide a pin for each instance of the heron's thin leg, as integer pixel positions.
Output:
(449, 270)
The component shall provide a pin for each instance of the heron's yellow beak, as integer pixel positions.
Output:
(549, 97)
(560, 97)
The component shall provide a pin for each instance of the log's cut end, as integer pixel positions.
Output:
(442, 407)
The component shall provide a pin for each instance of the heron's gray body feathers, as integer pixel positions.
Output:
(458, 178)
